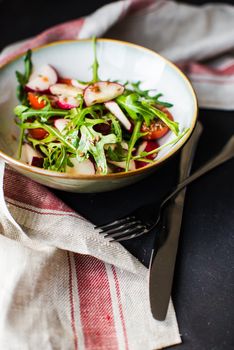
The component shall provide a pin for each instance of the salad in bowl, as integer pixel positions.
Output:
(92, 115)
(94, 127)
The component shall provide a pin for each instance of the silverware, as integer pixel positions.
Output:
(148, 217)
(162, 262)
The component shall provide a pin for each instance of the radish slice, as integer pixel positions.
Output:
(42, 79)
(65, 90)
(114, 108)
(79, 85)
(132, 165)
(28, 153)
(141, 148)
(102, 91)
(60, 123)
(86, 167)
(65, 102)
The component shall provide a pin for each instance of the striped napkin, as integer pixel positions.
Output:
(62, 286)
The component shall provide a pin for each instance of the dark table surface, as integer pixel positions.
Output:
(203, 287)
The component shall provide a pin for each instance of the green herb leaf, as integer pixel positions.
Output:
(148, 97)
(135, 136)
(95, 64)
(23, 78)
(170, 143)
(93, 143)
(23, 112)
(172, 125)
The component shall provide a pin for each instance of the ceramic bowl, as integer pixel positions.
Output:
(118, 61)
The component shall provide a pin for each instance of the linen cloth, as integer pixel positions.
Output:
(62, 286)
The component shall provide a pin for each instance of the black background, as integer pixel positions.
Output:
(203, 288)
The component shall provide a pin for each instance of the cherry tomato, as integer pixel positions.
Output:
(33, 100)
(37, 133)
(157, 127)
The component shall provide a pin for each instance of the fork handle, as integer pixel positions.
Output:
(226, 153)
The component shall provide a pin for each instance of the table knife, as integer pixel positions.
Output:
(163, 256)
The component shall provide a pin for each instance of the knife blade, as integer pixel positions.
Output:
(163, 256)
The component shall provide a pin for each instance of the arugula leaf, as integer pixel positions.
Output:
(174, 126)
(93, 142)
(24, 112)
(23, 78)
(148, 97)
(115, 127)
(118, 154)
(170, 143)
(95, 64)
(135, 108)
(135, 136)
(51, 130)
(56, 157)
(78, 118)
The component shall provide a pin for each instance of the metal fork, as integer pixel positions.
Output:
(148, 217)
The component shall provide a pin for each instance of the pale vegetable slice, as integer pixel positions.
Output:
(67, 102)
(85, 167)
(65, 90)
(42, 79)
(28, 153)
(60, 123)
(114, 108)
(102, 91)
(132, 165)
(78, 84)
(141, 148)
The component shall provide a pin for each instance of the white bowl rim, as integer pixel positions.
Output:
(18, 164)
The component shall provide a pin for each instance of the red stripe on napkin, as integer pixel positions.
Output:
(207, 71)
(117, 287)
(22, 189)
(73, 326)
(95, 304)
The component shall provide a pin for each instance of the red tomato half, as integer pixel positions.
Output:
(33, 100)
(157, 128)
(38, 133)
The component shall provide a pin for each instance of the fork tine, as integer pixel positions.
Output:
(129, 234)
(121, 228)
(132, 235)
(129, 230)
(114, 223)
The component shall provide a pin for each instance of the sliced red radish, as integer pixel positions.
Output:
(67, 102)
(114, 108)
(28, 153)
(102, 91)
(146, 146)
(132, 165)
(60, 123)
(65, 90)
(86, 167)
(42, 79)
(78, 84)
